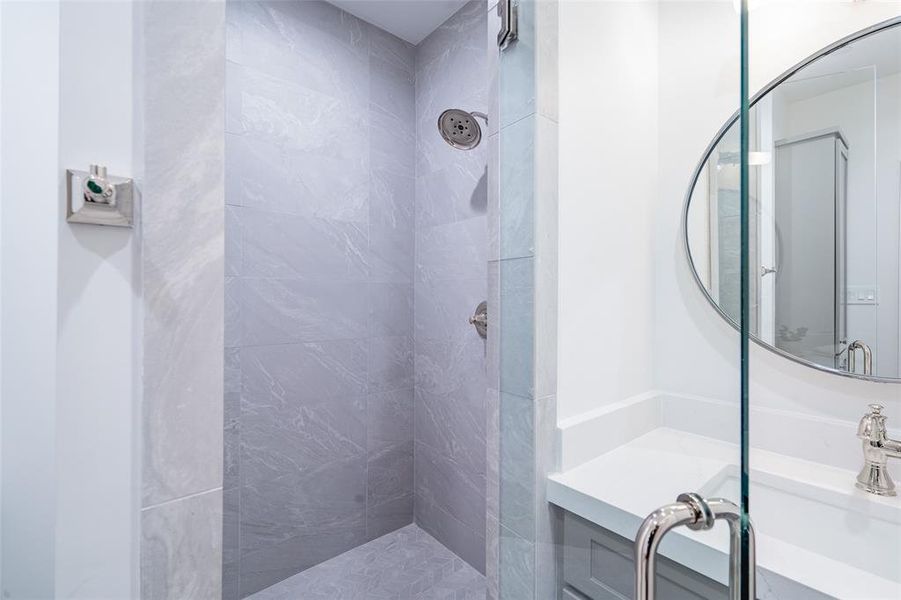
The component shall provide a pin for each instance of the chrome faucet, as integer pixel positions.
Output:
(853, 347)
(877, 449)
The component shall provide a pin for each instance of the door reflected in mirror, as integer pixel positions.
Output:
(825, 224)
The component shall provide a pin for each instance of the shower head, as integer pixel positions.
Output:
(460, 129)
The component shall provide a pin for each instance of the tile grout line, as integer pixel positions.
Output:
(180, 498)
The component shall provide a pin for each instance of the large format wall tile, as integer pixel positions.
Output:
(452, 252)
(320, 166)
(182, 251)
(286, 246)
(457, 432)
(528, 532)
(516, 573)
(390, 473)
(389, 490)
(465, 542)
(308, 42)
(516, 204)
(183, 341)
(264, 175)
(297, 520)
(391, 95)
(286, 439)
(450, 485)
(517, 289)
(391, 197)
(327, 497)
(232, 415)
(516, 470)
(232, 316)
(389, 419)
(234, 243)
(231, 522)
(390, 363)
(453, 192)
(390, 309)
(280, 311)
(443, 307)
(450, 280)
(293, 116)
(182, 279)
(181, 548)
(394, 513)
(516, 85)
(329, 203)
(310, 372)
(390, 255)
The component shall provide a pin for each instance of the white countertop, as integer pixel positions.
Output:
(812, 523)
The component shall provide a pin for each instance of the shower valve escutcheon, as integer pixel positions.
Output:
(94, 197)
(877, 449)
(479, 319)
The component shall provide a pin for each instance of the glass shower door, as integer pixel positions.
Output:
(700, 543)
(613, 309)
(817, 437)
(792, 215)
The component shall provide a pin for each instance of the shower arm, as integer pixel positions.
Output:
(480, 115)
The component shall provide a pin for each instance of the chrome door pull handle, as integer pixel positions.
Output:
(698, 514)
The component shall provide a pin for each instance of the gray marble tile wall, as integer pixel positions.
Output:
(320, 142)
(523, 532)
(180, 152)
(356, 249)
(450, 280)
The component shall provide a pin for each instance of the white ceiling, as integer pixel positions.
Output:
(410, 20)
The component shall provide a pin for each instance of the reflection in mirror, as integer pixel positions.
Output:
(825, 166)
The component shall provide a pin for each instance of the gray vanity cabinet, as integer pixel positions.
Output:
(598, 564)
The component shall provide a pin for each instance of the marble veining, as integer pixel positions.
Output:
(319, 299)
(181, 548)
(356, 249)
(516, 465)
(181, 148)
(450, 279)
(407, 564)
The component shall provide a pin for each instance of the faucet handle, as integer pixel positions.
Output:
(872, 424)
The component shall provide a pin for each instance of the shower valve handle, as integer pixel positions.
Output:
(479, 319)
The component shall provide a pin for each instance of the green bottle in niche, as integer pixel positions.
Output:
(97, 188)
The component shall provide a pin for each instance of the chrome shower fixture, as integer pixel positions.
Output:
(97, 188)
(460, 129)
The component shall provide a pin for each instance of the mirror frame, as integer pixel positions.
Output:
(873, 29)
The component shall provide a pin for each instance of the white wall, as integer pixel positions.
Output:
(695, 351)
(608, 170)
(613, 206)
(86, 307)
(97, 297)
(30, 40)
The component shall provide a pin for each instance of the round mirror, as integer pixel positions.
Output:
(825, 218)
